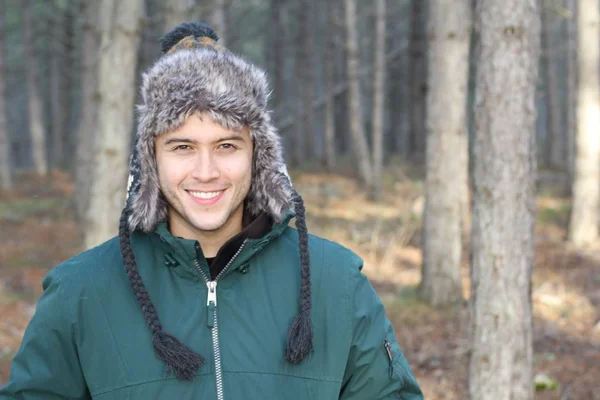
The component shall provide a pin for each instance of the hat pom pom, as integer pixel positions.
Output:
(195, 29)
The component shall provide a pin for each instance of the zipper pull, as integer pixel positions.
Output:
(388, 350)
(211, 303)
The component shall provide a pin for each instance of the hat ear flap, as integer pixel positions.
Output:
(147, 206)
(271, 189)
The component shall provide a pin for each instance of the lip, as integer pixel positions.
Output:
(206, 202)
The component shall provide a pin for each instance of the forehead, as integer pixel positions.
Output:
(203, 128)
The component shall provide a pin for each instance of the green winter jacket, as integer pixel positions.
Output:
(88, 338)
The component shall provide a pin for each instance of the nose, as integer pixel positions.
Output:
(205, 168)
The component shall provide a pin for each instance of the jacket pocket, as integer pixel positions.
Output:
(395, 367)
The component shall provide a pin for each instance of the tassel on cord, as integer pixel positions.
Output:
(180, 359)
(300, 335)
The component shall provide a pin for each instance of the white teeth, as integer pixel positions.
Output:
(206, 195)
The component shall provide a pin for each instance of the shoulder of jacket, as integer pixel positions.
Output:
(100, 259)
(329, 254)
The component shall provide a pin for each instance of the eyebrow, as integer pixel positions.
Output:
(238, 138)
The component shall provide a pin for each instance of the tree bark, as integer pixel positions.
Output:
(571, 134)
(357, 130)
(57, 104)
(5, 150)
(87, 127)
(36, 118)
(330, 153)
(306, 79)
(378, 98)
(120, 23)
(555, 149)
(500, 364)
(176, 12)
(418, 77)
(449, 33)
(583, 227)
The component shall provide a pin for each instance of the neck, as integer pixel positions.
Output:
(210, 241)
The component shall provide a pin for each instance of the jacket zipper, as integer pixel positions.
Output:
(212, 321)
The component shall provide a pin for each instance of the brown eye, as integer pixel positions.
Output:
(227, 146)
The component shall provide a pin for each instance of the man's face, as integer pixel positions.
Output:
(204, 171)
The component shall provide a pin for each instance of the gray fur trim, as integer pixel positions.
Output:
(234, 92)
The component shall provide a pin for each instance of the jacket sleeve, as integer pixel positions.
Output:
(376, 367)
(47, 365)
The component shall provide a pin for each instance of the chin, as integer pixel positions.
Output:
(208, 226)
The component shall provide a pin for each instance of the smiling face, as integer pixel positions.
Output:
(204, 171)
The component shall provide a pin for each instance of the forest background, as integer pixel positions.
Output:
(424, 135)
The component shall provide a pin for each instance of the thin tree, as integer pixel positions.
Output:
(218, 19)
(357, 130)
(86, 131)
(500, 330)
(57, 105)
(449, 33)
(331, 47)
(571, 114)
(34, 101)
(417, 76)
(555, 149)
(120, 26)
(176, 12)
(378, 98)
(5, 152)
(583, 228)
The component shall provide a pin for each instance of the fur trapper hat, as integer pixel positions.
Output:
(196, 75)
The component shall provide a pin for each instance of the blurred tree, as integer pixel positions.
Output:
(87, 126)
(449, 34)
(583, 227)
(58, 101)
(329, 60)
(379, 79)
(5, 150)
(555, 149)
(120, 27)
(418, 76)
(176, 12)
(34, 101)
(500, 364)
(357, 130)
(218, 19)
(571, 104)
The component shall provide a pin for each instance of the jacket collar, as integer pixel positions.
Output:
(183, 253)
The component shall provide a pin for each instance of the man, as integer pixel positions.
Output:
(205, 253)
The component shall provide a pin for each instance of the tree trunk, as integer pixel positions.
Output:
(571, 133)
(449, 32)
(36, 122)
(120, 24)
(218, 19)
(306, 79)
(275, 53)
(87, 127)
(500, 364)
(330, 83)
(56, 85)
(417, 77)
(5, 150)
(583, 227)
(176, 12)
(378, 98)
(357, 130)
(299, 130)
(555, 149)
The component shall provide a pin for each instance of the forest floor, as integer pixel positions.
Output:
(38, 231)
